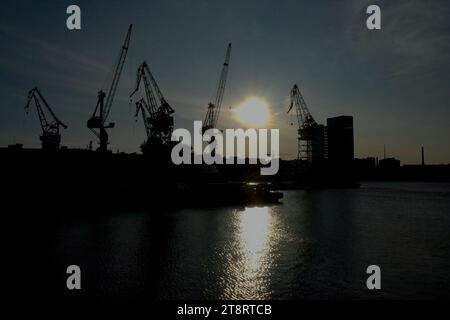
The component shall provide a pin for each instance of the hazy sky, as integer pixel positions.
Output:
(394, 82)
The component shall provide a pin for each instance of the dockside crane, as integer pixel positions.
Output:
(97, 122)
(212, 113)
(50, 138)
(307, 127)
(155, 110)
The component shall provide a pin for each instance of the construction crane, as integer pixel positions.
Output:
(155, 110)
(307, 127)
(50, 137)
(97, 122)
(213, 110)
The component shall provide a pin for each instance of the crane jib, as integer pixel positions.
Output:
(213, 110)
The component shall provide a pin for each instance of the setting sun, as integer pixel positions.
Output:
(254, 112)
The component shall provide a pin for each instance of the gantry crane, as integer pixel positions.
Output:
(308, 129)
(50, 137)
(156, 111)
(102, 108)
(212, 113)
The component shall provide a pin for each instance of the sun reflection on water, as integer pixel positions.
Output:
(251, 255)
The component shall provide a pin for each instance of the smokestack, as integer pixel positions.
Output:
(423, 157)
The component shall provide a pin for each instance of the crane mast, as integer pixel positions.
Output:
(307, 126)
(156, 111)
(212, 113)
(50, 137)
(102, 109)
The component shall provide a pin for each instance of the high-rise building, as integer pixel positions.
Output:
(318, 146)
(340, 148)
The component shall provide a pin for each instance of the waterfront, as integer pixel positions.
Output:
(316, 244)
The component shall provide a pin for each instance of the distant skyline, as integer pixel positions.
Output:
(394, 82)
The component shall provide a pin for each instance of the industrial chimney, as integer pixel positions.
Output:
(423, 157)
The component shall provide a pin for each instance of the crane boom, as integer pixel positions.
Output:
(212, 114)
(151, 88)
(50, 129)
(304, 117)
(117, 73)
(32, 94)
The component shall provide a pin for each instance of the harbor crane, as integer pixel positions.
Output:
(213, 110)
(155, 110)
(308, 129)
(50, 137)
(97, 122)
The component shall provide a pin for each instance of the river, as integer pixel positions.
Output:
(315, 244)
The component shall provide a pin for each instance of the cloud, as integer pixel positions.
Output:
(414, 38)
(38, 59)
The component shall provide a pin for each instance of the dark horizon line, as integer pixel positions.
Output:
(15, 146)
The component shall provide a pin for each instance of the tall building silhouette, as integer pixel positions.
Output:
(340, 141)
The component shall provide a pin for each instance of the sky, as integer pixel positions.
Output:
(393, 81)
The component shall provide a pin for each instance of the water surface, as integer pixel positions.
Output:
(315, 244)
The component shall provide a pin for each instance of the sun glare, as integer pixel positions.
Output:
(253, 112)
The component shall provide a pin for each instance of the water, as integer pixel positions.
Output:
(315, 245)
